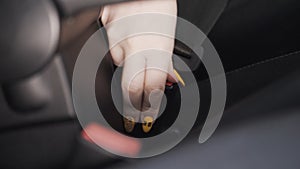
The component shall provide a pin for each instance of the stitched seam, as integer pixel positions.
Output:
(262, 62)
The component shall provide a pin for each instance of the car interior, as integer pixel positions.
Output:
(258, 42)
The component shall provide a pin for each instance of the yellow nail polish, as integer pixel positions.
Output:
(129, 124)
(179, 78)
(148, 123)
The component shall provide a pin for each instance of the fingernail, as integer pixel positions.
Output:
(147, 125)
(129, 124)
(179, 78)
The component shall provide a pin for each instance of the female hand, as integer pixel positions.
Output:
(144, 76)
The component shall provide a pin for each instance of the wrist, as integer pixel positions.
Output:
(109, 13)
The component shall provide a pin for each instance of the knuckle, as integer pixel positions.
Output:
(150, 88)
(132, 88)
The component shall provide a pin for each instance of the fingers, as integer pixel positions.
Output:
(132, 87)
(143, 83)
(155, 80)
(154, 90)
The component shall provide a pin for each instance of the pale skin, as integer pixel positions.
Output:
(139, 79)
